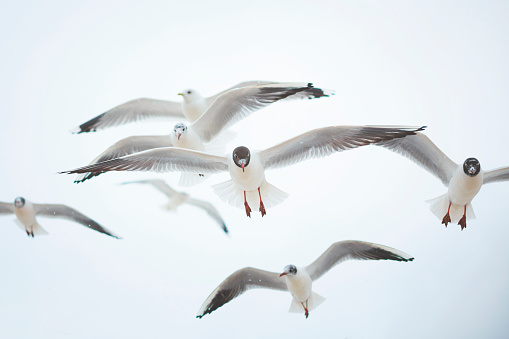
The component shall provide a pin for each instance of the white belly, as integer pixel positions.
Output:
(194, 110)
(26, 214)
(463, 188)
(299, 286)
(252, 177)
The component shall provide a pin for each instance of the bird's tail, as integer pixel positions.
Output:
(439, 206)
(34, 229)
(191, 179)
(233, 195)
(313, 302)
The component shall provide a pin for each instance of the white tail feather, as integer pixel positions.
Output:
(36, 229)
(313, 302)
(439, 206)
(234, 196)
(191, 179)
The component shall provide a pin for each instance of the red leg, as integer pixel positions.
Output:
(262, 207)
(248, 209)
(447, 217)
(306, 312)
(463, 220)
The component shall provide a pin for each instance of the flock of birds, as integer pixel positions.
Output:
(195, 149)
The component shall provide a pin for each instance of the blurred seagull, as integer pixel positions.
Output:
(463, 181)
(179, 198)
(246, 168)
(228, 108)
(26, 212)
(298, 280)
(192, 107)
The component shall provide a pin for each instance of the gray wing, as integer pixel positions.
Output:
(353, 250)
(166, 159)
(499, 174)
(159, 184)
(131, 111)
(66, 212)
(211, 211)
(236, 104)
(6, 208)
(420, 149)
(127, 146)
(238, 283)
(325, 141)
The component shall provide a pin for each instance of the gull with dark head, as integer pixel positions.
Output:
(298, 280)
(27, 211)
(191, 108)
(248, 186)
(179, 198)
(227, 109)
(463, 181)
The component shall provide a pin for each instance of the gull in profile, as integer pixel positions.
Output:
(463, 181)
(298, 280)
(27, 211)
(227, 109)
(190, 109)
(247, 169)
(179, 198)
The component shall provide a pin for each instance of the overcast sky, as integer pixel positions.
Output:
(437, 63)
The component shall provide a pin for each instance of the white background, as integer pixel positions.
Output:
(437, 63)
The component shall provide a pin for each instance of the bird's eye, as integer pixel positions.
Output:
(188, 92)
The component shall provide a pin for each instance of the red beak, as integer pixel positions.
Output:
(282, 274)
(178, 136)
(242, 167)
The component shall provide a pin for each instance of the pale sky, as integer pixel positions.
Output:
(437, 63)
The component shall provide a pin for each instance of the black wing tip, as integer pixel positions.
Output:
(89, 126)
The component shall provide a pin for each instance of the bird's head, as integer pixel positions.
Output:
(190, 95)
(179, 129)
(241, 156)
(471, 167)
(289, 270)
(19, 202)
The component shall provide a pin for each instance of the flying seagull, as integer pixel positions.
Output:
(179, 198)
(226, 110)
(463, 181)
(247, 169)
(190, 109)
(27, 211)
(298, 280)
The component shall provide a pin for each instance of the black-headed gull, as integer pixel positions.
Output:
(247, 169)
(463, 181)
(191, 108)
(179, 198)
(227, 109)
(298, 280)
(27, 211)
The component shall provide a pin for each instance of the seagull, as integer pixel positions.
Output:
(227, 109)
(463, 181)
(179, 198)
(298, 280)
(246, 168)
(27, 211)
(191, 108)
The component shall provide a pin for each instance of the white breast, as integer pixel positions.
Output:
(189, 140)
(194, 110)
(26, 214)
(253, 175)
(299, 285)
(463, 188)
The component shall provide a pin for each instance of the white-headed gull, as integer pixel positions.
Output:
(227, 109)
(247, 169)
(463, 181)
(298, 280)
(27, 211)
(179, 198)
(190, 109)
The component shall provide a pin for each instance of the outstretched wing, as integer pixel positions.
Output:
(131, 111)
(353, 250)
(166, 159)
(6, 208)
(127, 146)
(66, 212)
(211, 211)
(324, 141)
(159, 184)
(499, 174)
(238, 283)
(236, 104)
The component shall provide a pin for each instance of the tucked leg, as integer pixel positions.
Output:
(463, 220)
(262, 207)
(447, 217)
(248, 209)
